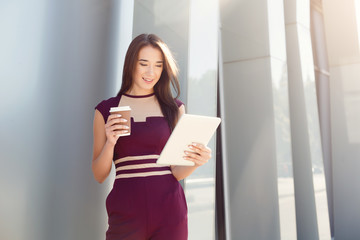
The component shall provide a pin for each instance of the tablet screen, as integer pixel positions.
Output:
(190, 128)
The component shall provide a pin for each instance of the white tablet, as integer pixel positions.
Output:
(189, 129)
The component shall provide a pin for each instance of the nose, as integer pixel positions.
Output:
(150, 70)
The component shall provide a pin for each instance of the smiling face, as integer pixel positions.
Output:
(148, 69)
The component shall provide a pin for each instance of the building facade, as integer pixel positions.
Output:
(282, 75)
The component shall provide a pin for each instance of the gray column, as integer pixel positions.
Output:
(323, 96)
(341, 20)
(202, 100)
(310, 192)
(254, 63)
(55, 55)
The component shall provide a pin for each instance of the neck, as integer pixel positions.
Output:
(135, 92)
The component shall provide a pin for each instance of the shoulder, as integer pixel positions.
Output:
(108, 102)
(178, 102)
(104, 106)
(181, 106)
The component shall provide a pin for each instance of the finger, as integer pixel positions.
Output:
(112, 116)
(198, 147)
(118, 127)
(117, 133)
(202, 157)
(202, 152)
(111, 122)
(194, 149)
(116, 120)
(196, 161)
(193, 155)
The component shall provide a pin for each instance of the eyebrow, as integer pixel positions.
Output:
(144, 60)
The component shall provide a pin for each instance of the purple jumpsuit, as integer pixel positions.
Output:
(146, 201)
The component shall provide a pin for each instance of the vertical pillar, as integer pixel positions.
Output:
(310, 192)
(254, 63)
(123, 28)
(53, 58)
(323, 97)
(73, 80)
(342, 21)
(23, 26)
(202, 100)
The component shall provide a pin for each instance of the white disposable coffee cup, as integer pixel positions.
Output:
(125, 112)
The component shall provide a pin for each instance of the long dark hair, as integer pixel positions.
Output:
(162, 89)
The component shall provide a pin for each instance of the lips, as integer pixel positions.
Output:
(148, 80)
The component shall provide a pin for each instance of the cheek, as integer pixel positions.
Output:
(136, 72)
(159, 72)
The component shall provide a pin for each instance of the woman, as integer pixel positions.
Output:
(147, 201)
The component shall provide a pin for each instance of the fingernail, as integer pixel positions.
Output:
(118, 115)
(126, 127)
(191, 147)
(187, 153)
(124, 120)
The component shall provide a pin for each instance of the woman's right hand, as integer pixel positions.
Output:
(113, 128)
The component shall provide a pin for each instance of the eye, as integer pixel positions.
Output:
(143, 64)
(158, 66)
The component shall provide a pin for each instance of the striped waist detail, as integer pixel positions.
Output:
(139, 166)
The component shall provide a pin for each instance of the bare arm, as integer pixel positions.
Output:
(197, 153)
(105, 138)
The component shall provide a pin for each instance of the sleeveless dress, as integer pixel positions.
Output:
(146, 201)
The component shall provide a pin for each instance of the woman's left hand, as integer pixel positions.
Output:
(199, 154)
